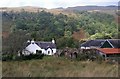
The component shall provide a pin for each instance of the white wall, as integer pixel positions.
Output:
(82, 47)
(87, 47)
(32, 48)
(43, 51)
(54, 50)
(50, 51)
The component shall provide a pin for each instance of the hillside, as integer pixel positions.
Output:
(19, 9)
(88, 8)
(65, 26)
(58, 67)
(106, 9)
(36, 9)
(103, 9)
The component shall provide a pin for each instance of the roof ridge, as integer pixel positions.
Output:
(44, 41)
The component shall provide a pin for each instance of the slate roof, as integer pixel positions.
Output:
(46, 45)
(95, 43)
(43, 45)
(100, 42)
(115, 42)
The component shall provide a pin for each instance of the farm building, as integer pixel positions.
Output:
(106, 48)
(109, 52)
(33, 47)
(100, 43)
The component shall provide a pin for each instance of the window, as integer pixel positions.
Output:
(38, 51)
(48, 52)
(32, 43)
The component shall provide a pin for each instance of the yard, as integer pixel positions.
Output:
(58, 67)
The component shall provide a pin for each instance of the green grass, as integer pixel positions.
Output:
(58, 67)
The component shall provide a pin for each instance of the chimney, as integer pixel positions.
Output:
(53, 41)
(28, 41)
(32, 41)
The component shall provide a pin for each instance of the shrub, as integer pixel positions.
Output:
(31, 56)
(82, 56)
(7, 57)
(17, 58)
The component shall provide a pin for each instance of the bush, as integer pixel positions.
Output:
(17, 58)
(7, 57)
(91, 55)
(82, 56)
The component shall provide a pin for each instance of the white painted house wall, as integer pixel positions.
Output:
(54, 50)
(32, 47)
(82, 47)
(43, 51)
(49, 51)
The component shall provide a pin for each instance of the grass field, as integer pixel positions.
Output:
(58, 67)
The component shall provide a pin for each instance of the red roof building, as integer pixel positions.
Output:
(109, 50)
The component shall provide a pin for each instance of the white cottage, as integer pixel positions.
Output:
(47, 48)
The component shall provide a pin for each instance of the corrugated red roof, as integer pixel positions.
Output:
(110, 50)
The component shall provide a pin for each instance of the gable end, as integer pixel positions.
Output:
(107, 44)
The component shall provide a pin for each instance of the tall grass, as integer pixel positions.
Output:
(58, 67)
